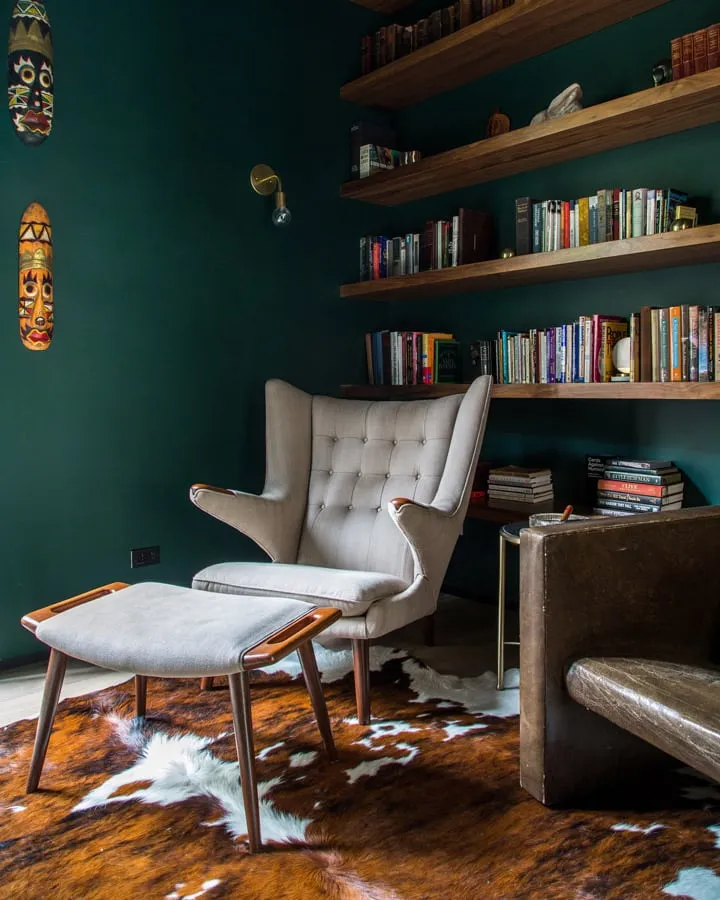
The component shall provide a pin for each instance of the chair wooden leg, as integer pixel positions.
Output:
(361, 665)
(51, 694)
(429, 630)
(314, 686)
(242, 721)
(206, 684)
(140, 695)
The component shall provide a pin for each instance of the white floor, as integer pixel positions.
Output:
(21, 689)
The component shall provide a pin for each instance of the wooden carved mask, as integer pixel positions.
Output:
(36, 300)
(30, 72)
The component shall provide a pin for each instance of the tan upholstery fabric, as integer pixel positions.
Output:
(363, 455)
(333, 468)
(352, 592)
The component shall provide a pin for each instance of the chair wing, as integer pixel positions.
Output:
(274, 518)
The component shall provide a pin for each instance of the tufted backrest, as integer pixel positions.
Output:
(365, 454)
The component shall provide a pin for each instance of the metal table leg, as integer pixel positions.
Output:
(501, 616)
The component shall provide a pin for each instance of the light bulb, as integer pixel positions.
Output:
(281, 216)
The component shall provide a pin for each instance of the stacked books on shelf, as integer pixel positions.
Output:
(695, 52)
(466, 238)
(373, 149)
(633, 486)
(412, 357)
(395, 41)
(519, 488)
(666, 344)
(611, 214)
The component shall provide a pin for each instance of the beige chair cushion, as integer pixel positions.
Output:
(350, 591)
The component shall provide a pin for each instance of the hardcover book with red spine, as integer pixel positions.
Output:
(700, 50)
(676, 58)
(688, 46)
(713, 46)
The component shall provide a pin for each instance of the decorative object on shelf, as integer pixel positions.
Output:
(35, 269)
(507, 253)
(498, 123)
(265, 181)
(30, 72)
(662, 72)
(621, 356)
(408, 157)
(567, 101)
(682, 223)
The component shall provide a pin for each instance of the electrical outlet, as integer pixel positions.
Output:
(144, 556)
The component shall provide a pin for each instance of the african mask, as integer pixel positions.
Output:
(36, 300)
(30, 72)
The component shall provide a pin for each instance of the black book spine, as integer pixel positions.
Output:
(523, 226)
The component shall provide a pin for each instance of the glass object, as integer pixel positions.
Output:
(549, 518)
(281, 216)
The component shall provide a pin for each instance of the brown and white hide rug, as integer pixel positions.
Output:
(424, 803)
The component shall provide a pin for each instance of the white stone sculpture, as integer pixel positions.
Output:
(566, 101)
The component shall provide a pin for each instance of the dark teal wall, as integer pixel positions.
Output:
(175, 296)
(610, 63)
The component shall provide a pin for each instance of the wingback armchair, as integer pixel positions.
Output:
(362, 507)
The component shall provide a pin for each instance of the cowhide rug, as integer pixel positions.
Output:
(424, 803)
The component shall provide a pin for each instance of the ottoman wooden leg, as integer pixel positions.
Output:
(140, 695)
(314, 686)
(206, 684)
(51, 693)
(242, 722)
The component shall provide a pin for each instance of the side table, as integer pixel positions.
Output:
(509, 534)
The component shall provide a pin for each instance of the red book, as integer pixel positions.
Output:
(566, 224)
(676, 57)
(713, 46)
(700, 50)
(630, 487)
(688, 44)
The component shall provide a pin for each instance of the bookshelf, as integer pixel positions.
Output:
(524, 30)
(656, 251)
(650, 390)
(658, 111)
(384, 6)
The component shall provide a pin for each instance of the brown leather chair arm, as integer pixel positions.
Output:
(641, 586)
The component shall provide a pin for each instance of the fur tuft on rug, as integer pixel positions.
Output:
(423, 803)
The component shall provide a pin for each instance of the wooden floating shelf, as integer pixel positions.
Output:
(657, 251)
(384, 6)
(522, 31)
(612, 391)
(659, 111)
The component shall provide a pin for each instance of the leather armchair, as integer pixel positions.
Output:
(362, 507)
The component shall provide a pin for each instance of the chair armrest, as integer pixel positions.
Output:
(636, 586)
(427, 530)
(260, 517)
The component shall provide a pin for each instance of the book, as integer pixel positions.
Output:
(446, 363)
(651, 500)
(632, 487)
(636, 507)
(654, 466)
(524, 225)
(640, 477)
(519, 472)
(364, 133)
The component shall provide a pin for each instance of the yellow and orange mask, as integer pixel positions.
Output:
(36, 300)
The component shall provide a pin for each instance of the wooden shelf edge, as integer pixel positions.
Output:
(656, 112)
(527, 29)
(612, 391)
(657, 251)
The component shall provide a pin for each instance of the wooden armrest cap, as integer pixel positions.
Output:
(210, 487)
(399, 502)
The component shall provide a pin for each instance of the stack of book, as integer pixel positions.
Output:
(466, 238)
(695, 52)
(611, 214)
(632, 486)
(412, 357)
(392, 42)
(521, 489)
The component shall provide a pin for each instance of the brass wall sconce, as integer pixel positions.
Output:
(265, 181)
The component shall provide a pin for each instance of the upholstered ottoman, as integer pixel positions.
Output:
(172, 632)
